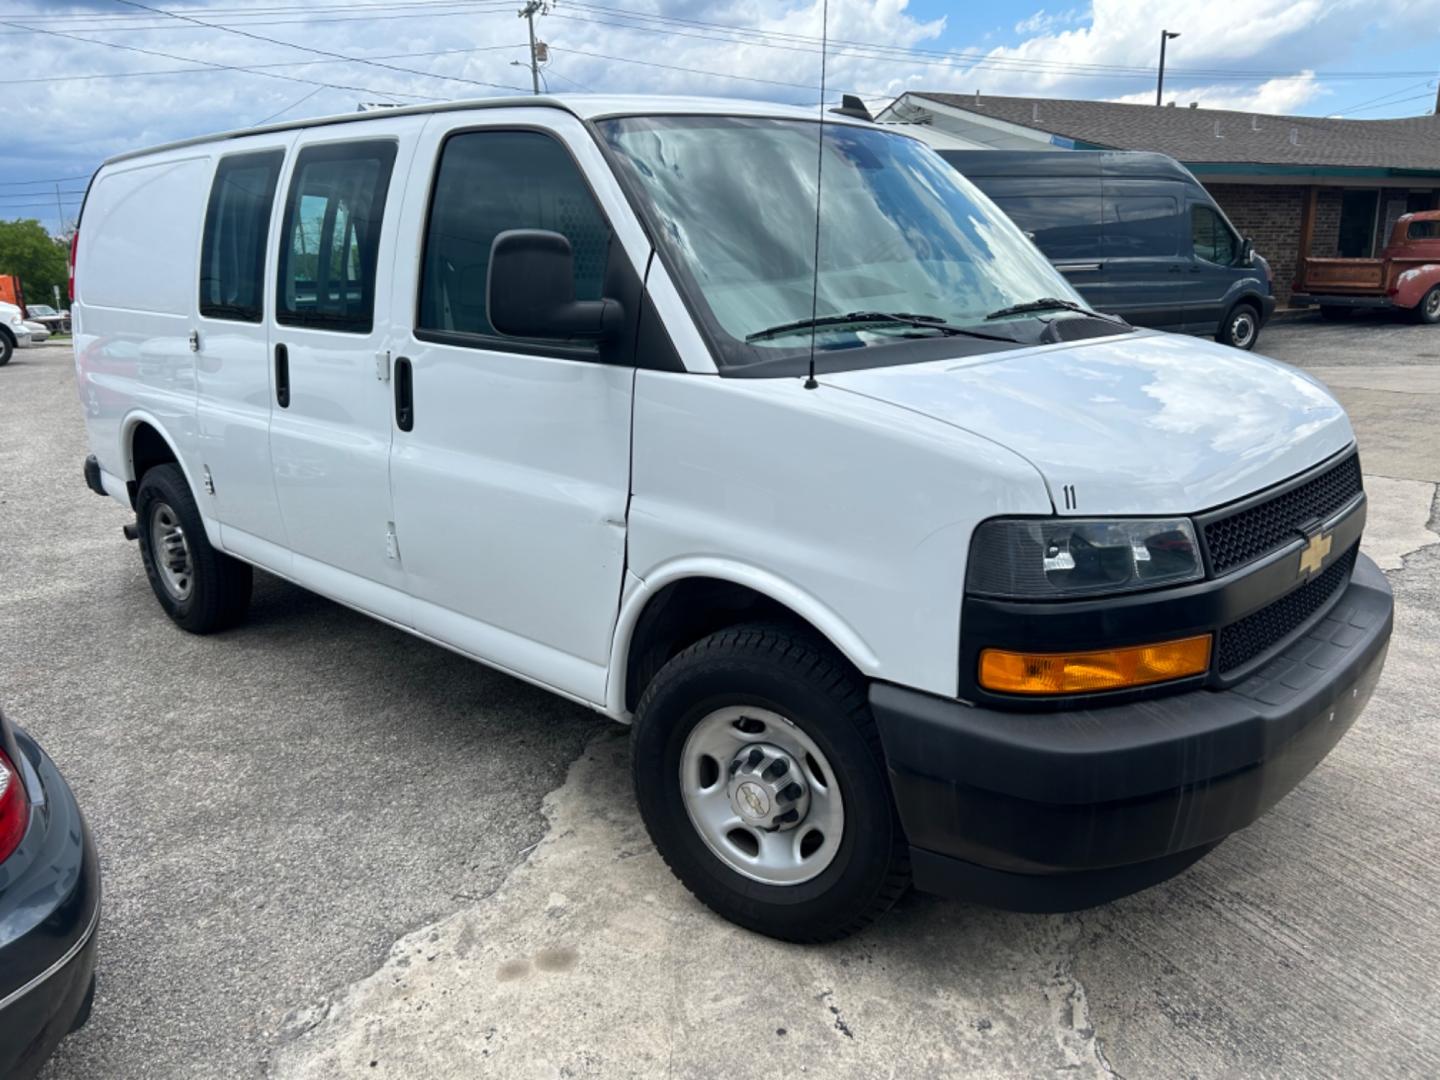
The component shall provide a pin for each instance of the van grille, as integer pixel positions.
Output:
(1258, 530)
(1247, 638)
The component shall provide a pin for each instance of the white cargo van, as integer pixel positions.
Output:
(905, 566)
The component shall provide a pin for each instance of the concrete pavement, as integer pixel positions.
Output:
(278, 805)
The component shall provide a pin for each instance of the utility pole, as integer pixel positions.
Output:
(1165, 35)
(529, 11)
(59, 211)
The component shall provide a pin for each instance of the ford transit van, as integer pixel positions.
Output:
(904, 565)
(1136, 235)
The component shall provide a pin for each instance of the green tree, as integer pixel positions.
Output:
(34, 256)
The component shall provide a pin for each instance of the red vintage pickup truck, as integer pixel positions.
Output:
(1406, 275)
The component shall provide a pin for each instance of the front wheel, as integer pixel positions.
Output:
(761, 779)
(1241, 328)
(202, 589)
(7, 349)
(1427, 311)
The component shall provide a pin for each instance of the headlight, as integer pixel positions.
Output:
(16, 320)
(1054, 558)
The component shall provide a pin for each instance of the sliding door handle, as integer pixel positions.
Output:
(404, 395)
(282, 376)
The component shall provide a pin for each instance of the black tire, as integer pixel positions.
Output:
(218, 590)
(1427, 311)
(7, 348)
(1241, 327)
(1332, 313)
(787, 672)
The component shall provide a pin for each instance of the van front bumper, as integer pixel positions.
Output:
(1064, 810)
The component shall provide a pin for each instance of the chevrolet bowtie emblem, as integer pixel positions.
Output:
(1312, 555)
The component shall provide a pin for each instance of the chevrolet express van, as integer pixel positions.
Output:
(1135, 234)
(905, 567)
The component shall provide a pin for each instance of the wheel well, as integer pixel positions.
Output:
(7, 335)
(147, 449)
(685, 611)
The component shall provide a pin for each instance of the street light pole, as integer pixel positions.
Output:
(1165, 35)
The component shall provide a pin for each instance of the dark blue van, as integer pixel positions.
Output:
(1135, 233)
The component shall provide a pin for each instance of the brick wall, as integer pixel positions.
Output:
(1325, 243)
(1270, 215)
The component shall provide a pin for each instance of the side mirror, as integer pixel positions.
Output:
(1247, 252)
(531, 291)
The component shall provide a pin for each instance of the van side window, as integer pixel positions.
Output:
(1062, 226)
(237, 224)
(1214, 242)
(488, 182)
(331, 238)
(1139, 225)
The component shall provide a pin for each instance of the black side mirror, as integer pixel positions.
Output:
(531, 291)
(1247, 252)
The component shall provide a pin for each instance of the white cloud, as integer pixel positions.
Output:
(1042, 22)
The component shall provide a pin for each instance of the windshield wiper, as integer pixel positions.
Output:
(852, 318)
(1052, 303)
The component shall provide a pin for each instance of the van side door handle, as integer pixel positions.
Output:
(404, 395)
(282, 376)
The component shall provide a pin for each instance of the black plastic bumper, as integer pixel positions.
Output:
(92, 475)
(1055, 811)
(1339, 301)
(49, 909)
(1267, 308)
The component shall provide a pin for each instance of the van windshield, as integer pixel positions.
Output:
(732, 200)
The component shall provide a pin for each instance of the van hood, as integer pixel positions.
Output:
(1148, 423)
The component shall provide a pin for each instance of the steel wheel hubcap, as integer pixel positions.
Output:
(761, 795)
(171, 551)
(1432, 305)
(1242, 329)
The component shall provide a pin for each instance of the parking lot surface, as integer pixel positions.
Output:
(332, 850)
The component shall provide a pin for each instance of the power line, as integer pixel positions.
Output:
(287, 108)
(51, 180)
(227, 67)
(433, 9)
(253, 68)
(321, 52)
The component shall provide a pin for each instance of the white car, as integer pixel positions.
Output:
(39, 333)
(14, 334)
(904, 565)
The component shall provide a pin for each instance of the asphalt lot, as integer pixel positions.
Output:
(331, 850)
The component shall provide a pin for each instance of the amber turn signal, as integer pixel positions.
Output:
(1084, 672)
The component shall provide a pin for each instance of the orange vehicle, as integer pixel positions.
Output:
(10, 291)
(1405, 276)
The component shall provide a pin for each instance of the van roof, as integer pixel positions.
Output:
(583, 106)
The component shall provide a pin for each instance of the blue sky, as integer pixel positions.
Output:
(1360, 58)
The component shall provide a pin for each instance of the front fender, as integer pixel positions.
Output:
(1412, 285)
(640, 591)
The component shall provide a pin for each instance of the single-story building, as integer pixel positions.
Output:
(1290, 183)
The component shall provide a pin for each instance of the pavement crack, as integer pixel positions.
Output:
(1080, 1045)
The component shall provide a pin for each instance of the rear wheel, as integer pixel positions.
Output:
(761, 779)
(1428, 310)
(1241, 328)
(202, 589)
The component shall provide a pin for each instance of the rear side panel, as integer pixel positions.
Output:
(135, 278)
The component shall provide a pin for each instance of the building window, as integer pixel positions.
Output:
(1358, 213)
